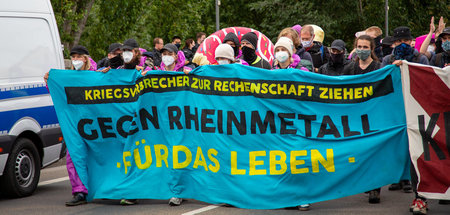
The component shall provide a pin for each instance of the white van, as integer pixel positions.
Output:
(30, 136)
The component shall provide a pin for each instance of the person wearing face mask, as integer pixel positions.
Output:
(232, 40)
(249, 44)
(224, 54)
(80, 58)
(403, 50)
(173, 60)
(338, 64)
(113, 51)
(176, 40)
(443, 59)
(80, 61)
(319, 53)
(366, 59)
(284, 50)
(300, 54)
(387, 45)
(132, 56)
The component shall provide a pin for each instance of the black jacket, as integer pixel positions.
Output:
(319, 54)
(157, 58)
(439, 60)
(336, 70)
(354, 69)
(103, 62)
(188, 54)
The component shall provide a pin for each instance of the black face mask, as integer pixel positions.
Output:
(236, 51)
(178, 45)
(249, 54)
(337, 58)
(115, 62)
(387, 50)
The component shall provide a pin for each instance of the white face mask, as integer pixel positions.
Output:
(282, 56)
(168, 60)
(223, 62)
(127, 56)
(307, 44)
(430, 48)
(77, 64)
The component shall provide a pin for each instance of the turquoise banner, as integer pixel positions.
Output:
(234, 134)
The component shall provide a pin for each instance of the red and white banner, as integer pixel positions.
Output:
(426, 92)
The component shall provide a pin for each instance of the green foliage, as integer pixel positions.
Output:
(112, 21)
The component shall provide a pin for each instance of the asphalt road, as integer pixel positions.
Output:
(54, 189)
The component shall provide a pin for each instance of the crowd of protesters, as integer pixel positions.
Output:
(295, 48)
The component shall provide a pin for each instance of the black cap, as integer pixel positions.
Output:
(130, 44)
(338, 44)
(170, 47)
(402, 32)
(251, 38)
(446, 31)
(78, 49)
(389, 40)
(113, 47)
(148, 54)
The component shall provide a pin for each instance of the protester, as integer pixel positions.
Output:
(158, 45)
(172, 60)
(403, 51)
(131, 55)
(443, 59)
(232, 40)
(224, 54)
(200, 37)
(338, 64)
(387, 46)
(113, 51)
(80, 61)
(365, 60)
(176, 40)
(319, 53)
(299, 51)
(249, 44)
(188, 52)
(284, 51)
(375, 32)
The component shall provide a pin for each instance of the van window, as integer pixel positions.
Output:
(27, 48)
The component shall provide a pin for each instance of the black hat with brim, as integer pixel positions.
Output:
(130, 44)
(446, 31)
(170, 47)
(113, 47)
(389, 40)
(338, 44)
(402, 32)
(78, 49)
